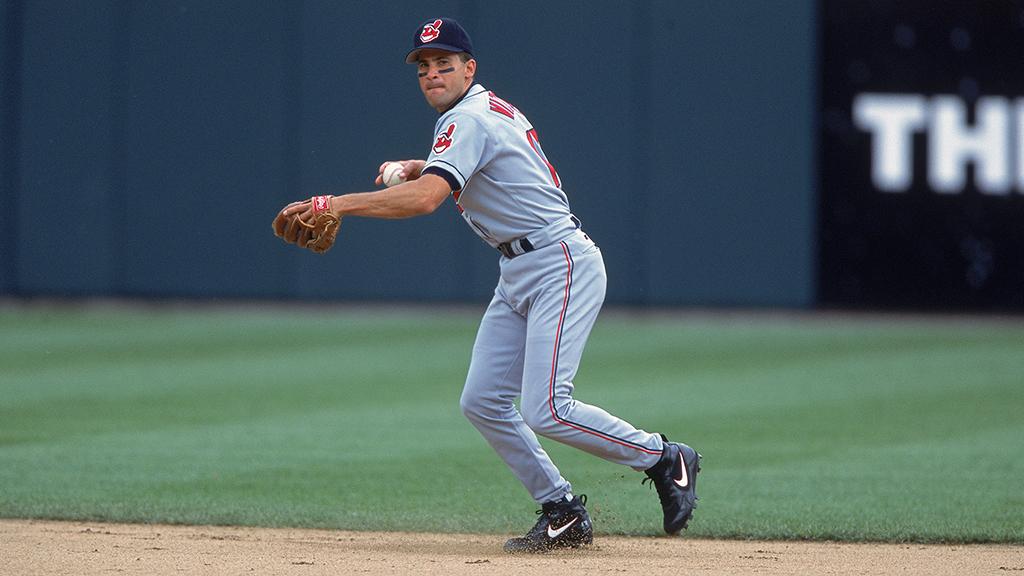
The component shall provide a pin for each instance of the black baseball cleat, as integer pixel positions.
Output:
(675, 479)
(562, 524)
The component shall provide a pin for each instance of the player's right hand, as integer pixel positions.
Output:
(411, 170)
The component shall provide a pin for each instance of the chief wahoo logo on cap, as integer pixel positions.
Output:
(431, 31)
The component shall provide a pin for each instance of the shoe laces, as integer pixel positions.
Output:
(653, 484)
(557, 508)
(663, 494)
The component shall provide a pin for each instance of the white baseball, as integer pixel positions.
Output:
(391, 174)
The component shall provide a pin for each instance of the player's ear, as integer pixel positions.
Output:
(471, 67)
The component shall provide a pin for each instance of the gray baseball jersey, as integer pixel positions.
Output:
(550, 291)
(504, 186)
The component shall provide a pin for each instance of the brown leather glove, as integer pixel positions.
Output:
(309, 224)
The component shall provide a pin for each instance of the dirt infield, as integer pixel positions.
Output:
(83, 549)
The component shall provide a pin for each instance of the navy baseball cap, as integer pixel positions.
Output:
(439, 34)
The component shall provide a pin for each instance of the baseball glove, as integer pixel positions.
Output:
(317, 235)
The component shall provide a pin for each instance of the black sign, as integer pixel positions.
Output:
(922, 155)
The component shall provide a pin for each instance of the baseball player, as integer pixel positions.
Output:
(487, 156)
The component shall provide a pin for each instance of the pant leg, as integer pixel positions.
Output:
(559, 322)
(488, 401)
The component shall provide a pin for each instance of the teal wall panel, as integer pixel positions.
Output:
(161, 138)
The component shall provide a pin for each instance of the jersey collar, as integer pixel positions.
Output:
(472, 91)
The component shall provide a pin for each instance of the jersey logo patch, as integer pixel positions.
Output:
(444, 139)
(431, 31)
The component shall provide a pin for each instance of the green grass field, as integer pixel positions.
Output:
(812, 427)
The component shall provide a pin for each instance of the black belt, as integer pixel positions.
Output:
(522, 245)
(509, 250)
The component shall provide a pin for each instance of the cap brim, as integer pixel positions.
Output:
(411, 56)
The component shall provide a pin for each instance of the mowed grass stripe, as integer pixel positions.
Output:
(847, 428)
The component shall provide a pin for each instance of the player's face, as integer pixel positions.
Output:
(444, 77)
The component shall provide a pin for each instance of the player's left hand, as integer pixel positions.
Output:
(311, 224)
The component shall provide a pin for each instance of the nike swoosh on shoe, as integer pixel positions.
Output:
(684, 479)
(556, 532)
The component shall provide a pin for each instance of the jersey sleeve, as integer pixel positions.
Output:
(460, 148)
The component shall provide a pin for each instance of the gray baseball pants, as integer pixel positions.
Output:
(529, 346)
